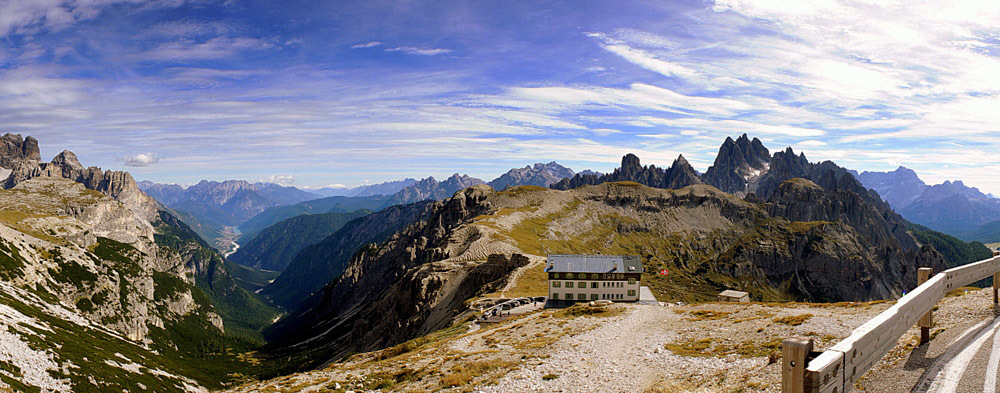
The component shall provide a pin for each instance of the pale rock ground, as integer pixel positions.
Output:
(623, 353)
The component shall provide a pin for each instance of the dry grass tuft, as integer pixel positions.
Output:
(793, 320)
(584, 310)
(708, 315)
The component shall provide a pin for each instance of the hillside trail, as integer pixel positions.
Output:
(516, 276)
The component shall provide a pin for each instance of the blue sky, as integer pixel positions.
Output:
(316, 93)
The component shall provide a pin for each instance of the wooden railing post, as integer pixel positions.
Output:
(996, 279)
(924, 274)
(794, 358)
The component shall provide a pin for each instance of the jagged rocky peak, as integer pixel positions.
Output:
(119, 185)
(67, 159)
(539, 174)
(740, 162)
(14, 149)
(681, 174)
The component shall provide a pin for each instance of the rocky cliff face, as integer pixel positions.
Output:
(739, 163)
(678, 175)
(15, 149)
(431, 189)
(541, 175)
(142, 241)
(96, 254)
(408, 286)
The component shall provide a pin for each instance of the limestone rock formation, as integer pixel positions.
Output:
(678, 175)
(739, 163)
(15, 149)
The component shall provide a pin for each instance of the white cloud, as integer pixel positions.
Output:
(141, 159)
(370, 44)
(419, 51)
(283, 180)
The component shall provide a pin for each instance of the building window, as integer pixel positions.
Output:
(631, 281)
(593, 296)
(555, 296)
(631, 292)
(581, 296)
(582, 285)
(569, 296)
(593, 284)
(569, 275)
(569, 284)
(593, 276)
(556, 284)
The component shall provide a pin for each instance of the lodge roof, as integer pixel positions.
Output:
(594, 264)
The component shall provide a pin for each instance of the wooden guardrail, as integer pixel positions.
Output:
(836, 369)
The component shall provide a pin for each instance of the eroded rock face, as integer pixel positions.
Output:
(738, 163)
(404, 287)
(118, 185)
(15, 149)
(678, 175)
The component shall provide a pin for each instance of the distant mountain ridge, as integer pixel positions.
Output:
(210, 206)
(386, 188)
(430, 188)
(950, 207)
(539, 174)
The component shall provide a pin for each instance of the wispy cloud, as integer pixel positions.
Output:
(412, 50)
(370, 44)
(260, 89)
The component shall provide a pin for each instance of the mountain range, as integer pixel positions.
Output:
(788, 229)
(386, 188)
(950, 207)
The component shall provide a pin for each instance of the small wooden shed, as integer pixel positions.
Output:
(730, 295)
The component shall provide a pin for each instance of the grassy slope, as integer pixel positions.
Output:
(688, 280)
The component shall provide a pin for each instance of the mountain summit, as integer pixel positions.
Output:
(679, 175)
(542, 175)
(738, 163)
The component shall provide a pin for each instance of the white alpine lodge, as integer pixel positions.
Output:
(578, 278)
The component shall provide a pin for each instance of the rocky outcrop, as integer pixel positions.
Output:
(541, 175)
(678, 175)
(739, 163)
(15, 149)
(431, 189)
(388, 293)
(115, 184)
